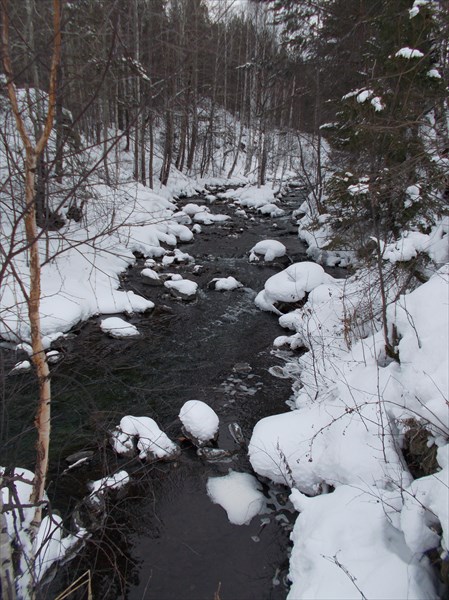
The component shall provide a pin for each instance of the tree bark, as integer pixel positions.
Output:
(32, 154)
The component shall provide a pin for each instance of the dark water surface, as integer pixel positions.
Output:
(164, 538)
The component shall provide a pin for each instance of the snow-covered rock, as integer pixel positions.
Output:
(291, 285)
(182, 288)
(270, 249)
(271, 209)
(209, 218)
(150, 277)
(151, 442)
(192, 209)
(118, 328)
(200, 421)
(409, 53)
(113, 482)
(20, 367)
(251, 196)
(224, 283)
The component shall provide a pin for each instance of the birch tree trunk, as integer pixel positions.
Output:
(32, 154)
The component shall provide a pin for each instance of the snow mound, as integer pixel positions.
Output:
(344, 545)
(199, 420)
(270, 249)
(319, 445)
(239, 494)
(225, 283)
(152, 443)
(118, 328)
(291, 285)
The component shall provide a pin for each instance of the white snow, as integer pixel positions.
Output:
(377, 103)
(270, 249)
(358, 189)
(207, 218)
(251, 196)
(239, 494)
(192, 209)
(226, 283)
(150, 273)
(291, 285)
(272, 210)
(416, 7)
(23, 365)
(183, 286)
(351, 409)
(52, 544)
(112, 482)
(152, 443)
(199, 419)
(409, 53)
(344, 546)
(434, 73)
(364, 96)
(118, 328)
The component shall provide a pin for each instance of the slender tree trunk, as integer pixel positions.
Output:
(7, 586)
(59, 158)
(32, 154)
(151, 157)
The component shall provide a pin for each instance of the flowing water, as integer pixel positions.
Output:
(164, 539)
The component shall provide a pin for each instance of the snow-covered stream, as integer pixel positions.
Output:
(166, 536)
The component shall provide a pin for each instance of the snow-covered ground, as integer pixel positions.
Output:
(365, 523)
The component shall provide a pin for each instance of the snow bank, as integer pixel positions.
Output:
(199, 420)
(343, 547)
(422, 322)
(411, 243)
(324, 444)
(351, 408)
(239, 494)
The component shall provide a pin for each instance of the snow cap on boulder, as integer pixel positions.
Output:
(291, 285)
(270, 249)
(200, 422)
(152, 443)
